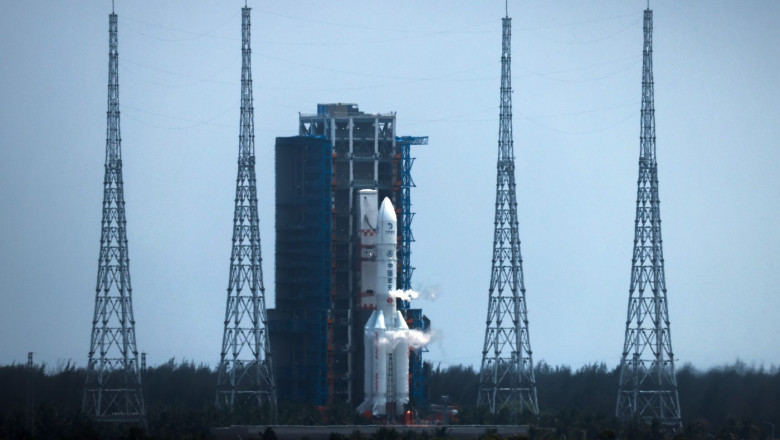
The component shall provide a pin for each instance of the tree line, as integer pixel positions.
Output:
(731, 402)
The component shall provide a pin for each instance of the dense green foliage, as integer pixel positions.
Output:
(730, 403)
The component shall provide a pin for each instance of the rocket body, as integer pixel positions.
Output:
(386, 348)
(386, 260)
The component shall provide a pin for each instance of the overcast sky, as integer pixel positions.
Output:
(577, 87)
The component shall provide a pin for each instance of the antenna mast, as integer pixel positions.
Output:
(112, 391)
(507, 376)
(648, 386)
(245, 374)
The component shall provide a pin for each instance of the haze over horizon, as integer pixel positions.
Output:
(577, 81)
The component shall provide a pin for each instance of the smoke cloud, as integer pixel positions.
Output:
(405, 295)
(429, 293)
(415, 338)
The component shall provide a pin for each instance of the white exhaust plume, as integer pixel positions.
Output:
(429, 293)
(405, 295)
(415, 338)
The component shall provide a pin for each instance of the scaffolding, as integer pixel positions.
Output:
(419, 376)
(414, 317)
(406, 184)
(364, 153)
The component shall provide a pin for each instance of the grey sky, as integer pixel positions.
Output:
(577, 82)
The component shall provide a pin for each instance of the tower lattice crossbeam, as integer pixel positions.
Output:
(245, 374)
(112, 390)
(417, 367)
(648, 386)
(506, 377)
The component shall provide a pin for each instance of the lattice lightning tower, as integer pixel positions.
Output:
(506, 376)
(112, 391)
(648, 387)
(245, 373)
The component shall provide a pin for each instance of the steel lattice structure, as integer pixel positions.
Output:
(245, 374)
(407, 183)
(648, 386)
(506, 376)
(418, 379)
(112, 391)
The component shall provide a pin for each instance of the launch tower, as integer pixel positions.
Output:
(317, 325)
(415, 316)
(112, 391)
(648, 386)
(506, 380)
(245, 373)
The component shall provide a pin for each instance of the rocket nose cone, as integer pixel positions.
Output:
(386, 211)
(386, 223)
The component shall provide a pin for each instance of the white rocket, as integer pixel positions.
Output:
(386, 347)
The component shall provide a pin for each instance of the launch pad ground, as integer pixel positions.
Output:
(294, 432)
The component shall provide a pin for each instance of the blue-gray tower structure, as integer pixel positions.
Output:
(648, 386)
(112, 390)
(407, 237)
(322, 306)
(245, 373)
(417, 387)
(298, 326)
(506, 379)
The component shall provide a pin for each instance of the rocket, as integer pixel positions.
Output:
(386, 381)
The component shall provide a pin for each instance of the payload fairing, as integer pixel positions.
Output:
(386, 381)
